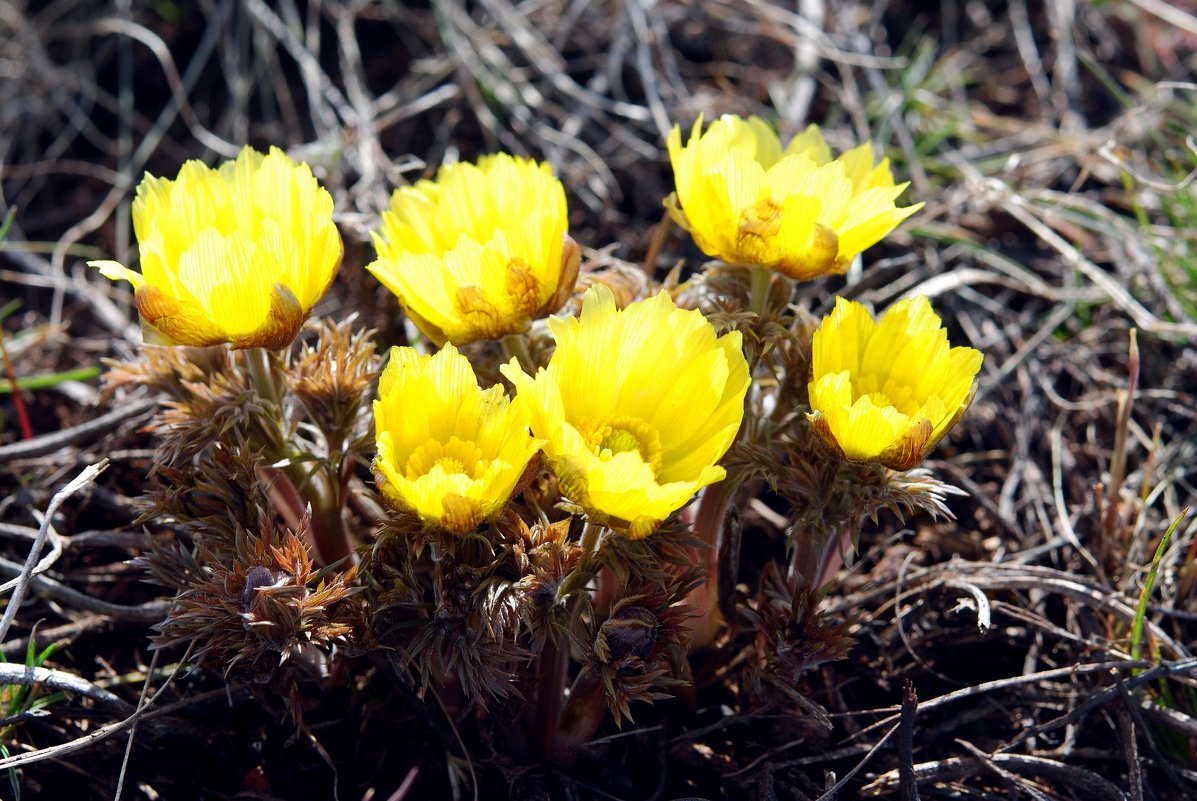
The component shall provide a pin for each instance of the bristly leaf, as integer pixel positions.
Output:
(637, 651)
(334, 380)
(211, 399)
(212, 499)
(792, 637)
(263, 612)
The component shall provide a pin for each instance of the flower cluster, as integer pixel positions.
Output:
(526, 508)
(882, 392)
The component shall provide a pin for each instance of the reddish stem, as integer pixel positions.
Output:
(709, 514)
(834, 551)
(293, 489)
(329, 536)
(580, 719)
(604, 593)
(282, 495)
(18, 401)
(552, 673)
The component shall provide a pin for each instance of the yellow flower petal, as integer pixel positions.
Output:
(236, 254)
(115, 271)
(480, 252)
(636, 407)
(868, 217)
(886, 391)
(811, 143)
(797, 211)
(169, 320)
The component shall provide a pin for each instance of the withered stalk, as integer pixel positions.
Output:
(657, 243)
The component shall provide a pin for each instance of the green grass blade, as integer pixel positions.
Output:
(8, 218)
(9, 308)
(49, 379)
(12, 774)
(1141, 612)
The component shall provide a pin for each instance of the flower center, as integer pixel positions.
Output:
(623, 434)
(619, 441)
(455, 457)
(759, 226)
(890, 393)
(449, 465)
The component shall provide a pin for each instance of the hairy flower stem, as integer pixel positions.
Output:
(552, 673)
(604, 591)
(804, 558)
(262, 364)
(553, 663)
(835, 555)
(816, 561)
(293, 486)
(758, 293)
(820, 548)
(516, 346)
(580, 719)
(709, 514)
(330, 535)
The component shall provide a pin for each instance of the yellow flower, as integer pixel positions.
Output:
(637, 406)
(745, 200)
(888, 391)
(448, 451)
(237, 254)
(480, 252)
